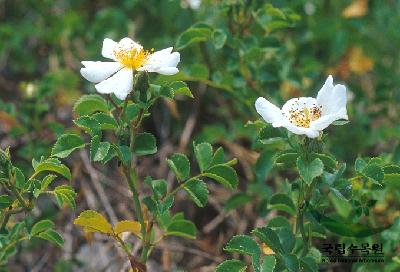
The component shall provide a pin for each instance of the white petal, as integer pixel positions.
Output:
(269, 112)
(128, 44)
(298, 104)
(163, 62)
(108, 48)
(194, 4)
(167, 71)
(326, 120)
(120, 84)
(309, 132)
(165, 57)
(96, 71)
(327, 87)
(332, 98)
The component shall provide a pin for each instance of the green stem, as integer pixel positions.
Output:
(20, 199)
(132, 182)
(300, 222)
(5, 249)
(173, 192)
(134, 263)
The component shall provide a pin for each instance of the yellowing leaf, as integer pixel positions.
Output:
(359, 63)
(266, 249)
(92, 221)
(356, 183)
(357, 8)
(128, 226)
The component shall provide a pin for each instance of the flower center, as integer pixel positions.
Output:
(132, 58)
(303, 117)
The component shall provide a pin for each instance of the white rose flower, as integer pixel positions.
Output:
(128, 56)
(194, 4)
(307, 115)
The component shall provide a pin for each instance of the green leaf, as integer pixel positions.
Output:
(231, 266)
(287, 159)
(66, 144)
(132, 111)
(219, 38)
(243, 244)
(180, 164)
(282, 202)
(279, 222)
(46, 181)
(98, 150)
(180, 87)
(183, 228)
(218, 157)
(124, 153)
(106, 121)
(224, 174)
(53, 165)
(264, 164)
(343, 228)
(159, 186)
(20, 179)
(145, 144)
(65, 194)
(287, 239)
(308, 264)
(197, 190)
(193, 35)
(204, 154)
(92, 221)
(89, 124)
(359, 165)
(328, 161)
(5, 201)
(291, 262)
(391, 169)
(309, 170)
(166, 91)
(16, 229)
(52, 236)
(392, 180)
(236, 201)
(41, 226)
(269, 263)
(270, 238)
(150, 203)
(246, 245)
(373, 171)
(90, 103)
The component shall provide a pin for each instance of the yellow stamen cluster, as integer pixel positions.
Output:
(132, 58)
(303, 117)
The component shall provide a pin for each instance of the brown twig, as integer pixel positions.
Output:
(94, 177)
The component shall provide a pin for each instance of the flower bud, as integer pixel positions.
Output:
(142, 85)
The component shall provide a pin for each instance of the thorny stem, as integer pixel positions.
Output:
(305, 194)
(132, 179)
(5, 249)
(134, 263)
(7, 214)
(122, 112)
(113, 102)
(20, 199)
